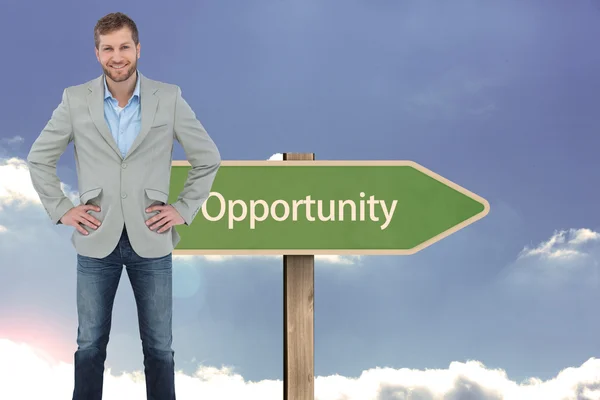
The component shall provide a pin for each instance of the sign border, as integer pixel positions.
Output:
(343, 163)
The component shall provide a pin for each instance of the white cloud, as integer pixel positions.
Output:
(322, 258)
(21, 364)
(15, 184)
(583, 236)
(337, 259)
(16, 188)
(568, 258)
(15, 140)
(563, 245)
(218, 258)
(9, 144)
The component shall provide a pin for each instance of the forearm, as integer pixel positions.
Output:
(48, 187)
(201, 153)
(198, 184)
(43, 157)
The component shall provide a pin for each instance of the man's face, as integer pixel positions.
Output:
(118, 54)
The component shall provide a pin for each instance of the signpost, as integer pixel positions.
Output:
(300, 208)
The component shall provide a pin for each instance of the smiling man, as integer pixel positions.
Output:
(123, 127)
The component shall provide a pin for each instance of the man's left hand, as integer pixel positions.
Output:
(166, 218)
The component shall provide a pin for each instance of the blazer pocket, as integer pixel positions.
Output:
(90, 195)
(157, 195)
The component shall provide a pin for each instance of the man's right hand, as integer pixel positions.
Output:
(79, 215)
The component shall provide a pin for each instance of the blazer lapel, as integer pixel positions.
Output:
(149, 104)
(95, 101)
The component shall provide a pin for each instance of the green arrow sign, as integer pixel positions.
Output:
(324, 207)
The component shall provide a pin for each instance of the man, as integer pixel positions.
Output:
(122, 125)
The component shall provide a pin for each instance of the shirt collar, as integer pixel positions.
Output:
(136, 91)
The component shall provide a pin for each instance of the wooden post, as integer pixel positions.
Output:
(298, 319)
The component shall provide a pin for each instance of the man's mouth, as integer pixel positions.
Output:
(118, 66)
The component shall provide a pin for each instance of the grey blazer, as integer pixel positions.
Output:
(123, 187)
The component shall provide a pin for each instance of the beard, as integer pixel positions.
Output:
(120, 76)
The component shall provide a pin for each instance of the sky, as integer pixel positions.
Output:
(499, 97)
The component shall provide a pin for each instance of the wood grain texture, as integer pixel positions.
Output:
(298, 319)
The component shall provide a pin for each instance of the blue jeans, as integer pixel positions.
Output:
(97, 281)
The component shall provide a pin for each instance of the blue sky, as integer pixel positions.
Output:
(499, 97)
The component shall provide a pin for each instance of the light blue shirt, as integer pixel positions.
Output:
(124, 123)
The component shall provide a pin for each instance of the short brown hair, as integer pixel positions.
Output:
(113, 22)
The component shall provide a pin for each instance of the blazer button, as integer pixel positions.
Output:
(123, 195)
(124, 165)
